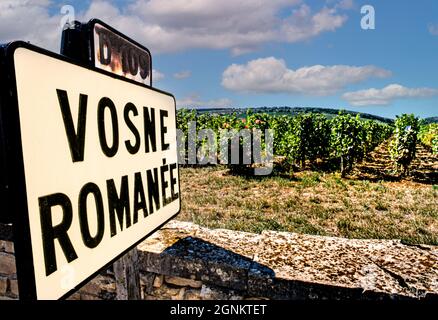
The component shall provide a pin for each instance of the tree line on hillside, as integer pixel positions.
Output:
(293, 111)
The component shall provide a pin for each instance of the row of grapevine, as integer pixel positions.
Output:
(311, 136)
(348, 140)
(302, 138)
(429, 136)
(403, 146)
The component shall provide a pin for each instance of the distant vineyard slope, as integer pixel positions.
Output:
(329, 113)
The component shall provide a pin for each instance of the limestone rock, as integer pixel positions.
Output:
(179, 295)
(91, 287)
(85, 296)
(183, 282)
(215, 293)
(6, 246)
(281, 265)
(3, 285)
(75, 296)
(13, 286)
(192, 295)
(158, 281)
(334, 268)
(7, 264)
(147, 280)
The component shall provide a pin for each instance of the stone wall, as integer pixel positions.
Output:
(102, 287)
(8, 273)
(186, 261)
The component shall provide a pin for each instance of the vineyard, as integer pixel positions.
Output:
(313, 139)
(429, 136)
(343, 176)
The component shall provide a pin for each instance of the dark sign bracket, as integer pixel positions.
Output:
(77, 42)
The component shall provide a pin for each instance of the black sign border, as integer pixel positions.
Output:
(90, 26)
(10, 131)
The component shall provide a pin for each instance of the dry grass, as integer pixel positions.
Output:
(313, 203)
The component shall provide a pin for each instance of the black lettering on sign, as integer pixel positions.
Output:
(104, 103)
(51, 232)
(76, 139)
(149, 129)
(118, 204)
(118, 48)
(132, 61)
(164, 183)
(144, 66)
(174, 195)
(153, 189)
(163, 114)
(104, 42)
(139, 197)
(132, 149)
(123, 51)
(88, 239)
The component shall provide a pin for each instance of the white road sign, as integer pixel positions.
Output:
(100, 167)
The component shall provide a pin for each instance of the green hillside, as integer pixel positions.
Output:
(329, 113)
(431, 120)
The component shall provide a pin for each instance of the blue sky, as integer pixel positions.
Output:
(254, 53)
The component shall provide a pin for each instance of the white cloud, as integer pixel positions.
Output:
(271, 75)
(175, 25)
(157, 75)
(30, 21)
(345, 4)
(194, 101)
(303, 24)
(241, 26)
(385, 96)
(182, 75)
